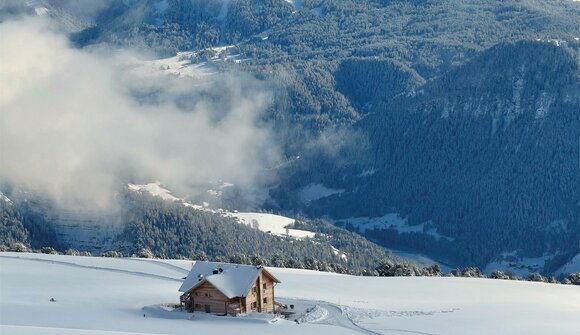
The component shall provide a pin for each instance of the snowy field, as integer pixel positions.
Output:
(106, 296)
(269, 223)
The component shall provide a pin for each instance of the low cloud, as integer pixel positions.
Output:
(75, 125)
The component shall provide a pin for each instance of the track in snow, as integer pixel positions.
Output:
(337, 316)
(163, 264)
(93, 267)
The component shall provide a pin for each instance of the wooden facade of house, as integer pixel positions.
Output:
(207, 298)
(229, 291)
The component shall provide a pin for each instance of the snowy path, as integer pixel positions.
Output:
(341, 316)
(337, 316)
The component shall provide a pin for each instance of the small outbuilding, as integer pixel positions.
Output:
(224, 288)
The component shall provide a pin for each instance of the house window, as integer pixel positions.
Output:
(255, 290)
(265, 286)
(254, 305)
(265, 300)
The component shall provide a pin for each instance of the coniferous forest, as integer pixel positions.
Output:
(463, 117)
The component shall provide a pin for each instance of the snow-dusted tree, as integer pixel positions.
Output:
(258, 260)
(513, 276)
(277, 261)
(221, 259)
(255, 224)
(48, 250)
(432, 271)
(111, 253)
(572, 279)
(201, 256)
(472, 272)
(499, 275)
(391, 268)
(19, 247)
(293, 263)
(72, 252)
(145, 253)
(536, 277)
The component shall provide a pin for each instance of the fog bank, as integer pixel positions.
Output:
(71, 127)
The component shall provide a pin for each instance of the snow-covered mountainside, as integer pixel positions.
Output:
(4, 198)
(447, 129)
(86, 231)
(108, 296)
(198, 65)
(269, 223)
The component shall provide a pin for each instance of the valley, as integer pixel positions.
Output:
(340, 133)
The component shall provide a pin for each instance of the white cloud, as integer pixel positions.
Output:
(70, 126)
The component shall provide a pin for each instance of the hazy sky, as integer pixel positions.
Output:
(70, 126)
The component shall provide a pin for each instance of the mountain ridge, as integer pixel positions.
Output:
(460, 116)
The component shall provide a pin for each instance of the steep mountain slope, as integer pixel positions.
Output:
(487, 154)
(69, 16)
(297, 47)
(173, 25)
(150, 225)
(459, 116)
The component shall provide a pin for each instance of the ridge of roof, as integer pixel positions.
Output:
(233, 280)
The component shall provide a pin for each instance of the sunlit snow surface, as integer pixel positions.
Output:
(316, 191)
(4, 198)
(117, 296)
(269, 223)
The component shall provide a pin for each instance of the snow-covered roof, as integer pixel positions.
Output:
(233, 280)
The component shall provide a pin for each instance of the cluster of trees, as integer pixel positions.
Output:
(493, 176)
(429, 37)
(481, 143)
(172, 230)
(183, 25)
(24, 224)
(156, 228)
(488, 154)
(159, 229)
(388, 268)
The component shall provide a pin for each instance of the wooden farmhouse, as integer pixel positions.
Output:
(223, 288)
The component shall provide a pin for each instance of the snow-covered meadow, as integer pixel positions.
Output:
(98, 296)
(268, 223)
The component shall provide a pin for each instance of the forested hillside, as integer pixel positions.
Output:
(154, 227)
(462, 117)
(487, 154)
